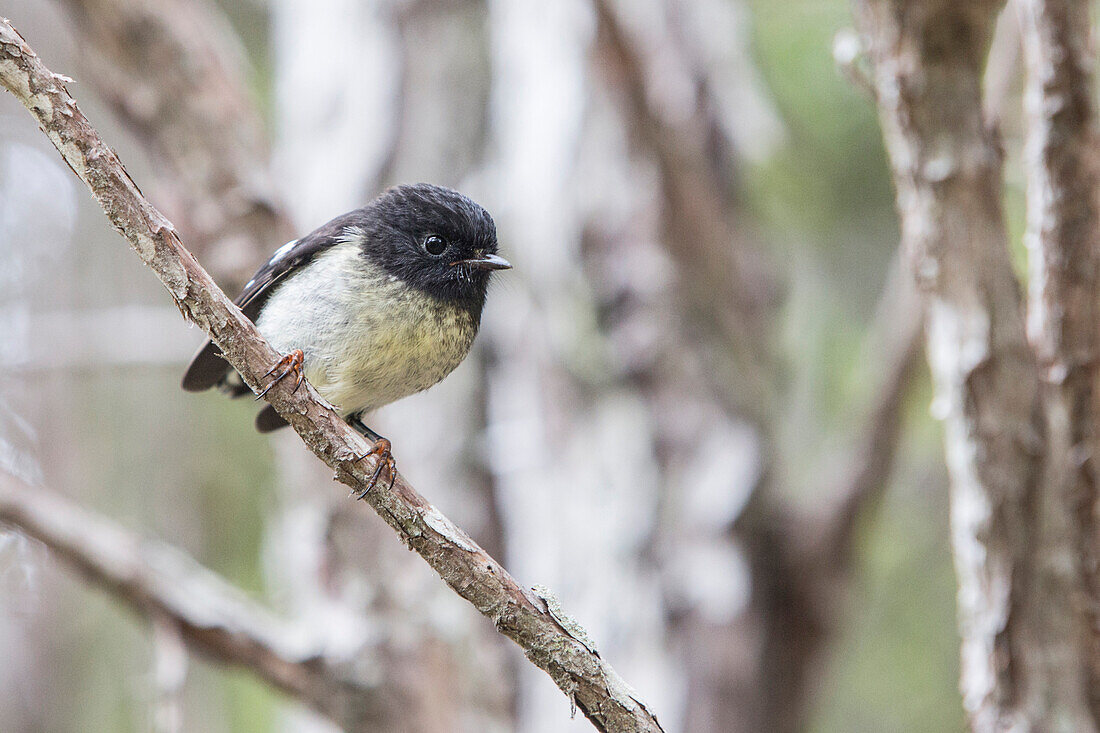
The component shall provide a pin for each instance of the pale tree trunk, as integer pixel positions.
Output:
(688, 355)
(698, 344)
(660, 416)
(1018, 428)
(570, 443)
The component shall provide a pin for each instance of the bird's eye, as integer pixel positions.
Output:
(435, 245)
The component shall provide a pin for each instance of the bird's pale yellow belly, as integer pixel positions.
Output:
(368, 338)
(388, 359)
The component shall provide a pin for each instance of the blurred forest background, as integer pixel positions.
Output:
(698, 409)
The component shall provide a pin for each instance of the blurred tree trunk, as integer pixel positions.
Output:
(1063, 317)
(752, 639)
(38, 201)
(651, 379)
(569, 443)
(1019, 427)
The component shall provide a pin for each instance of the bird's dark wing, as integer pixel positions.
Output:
(208, 368)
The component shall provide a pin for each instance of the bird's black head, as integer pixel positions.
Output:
(435, 240)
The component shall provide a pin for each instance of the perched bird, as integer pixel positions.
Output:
(375, 305)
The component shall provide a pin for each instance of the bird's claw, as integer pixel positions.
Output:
(381, 448)
(292, 362)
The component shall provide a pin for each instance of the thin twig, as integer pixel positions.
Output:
(895, 348)
(581, 674)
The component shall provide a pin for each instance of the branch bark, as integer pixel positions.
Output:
(211, 615)
(524, 617)
(1024, 664)
(1063, 238)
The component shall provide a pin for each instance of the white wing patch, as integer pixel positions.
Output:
(282, 251)
(352, 234)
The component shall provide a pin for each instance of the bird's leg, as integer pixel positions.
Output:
(292, 362)
(381, 448)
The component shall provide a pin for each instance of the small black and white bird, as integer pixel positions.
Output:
(375, 305)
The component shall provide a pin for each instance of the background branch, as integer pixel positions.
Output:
(588, 680)
(210, 615)
(891, 354)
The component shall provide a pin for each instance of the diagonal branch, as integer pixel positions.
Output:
(577, 669)
(210, 614)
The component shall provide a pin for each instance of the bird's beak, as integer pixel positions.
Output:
(486, 262)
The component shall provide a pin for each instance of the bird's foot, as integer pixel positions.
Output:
(292, 362)
(381, 448)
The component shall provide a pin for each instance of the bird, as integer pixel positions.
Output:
(377, 304)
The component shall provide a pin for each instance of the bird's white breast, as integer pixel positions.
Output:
(368, 338)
